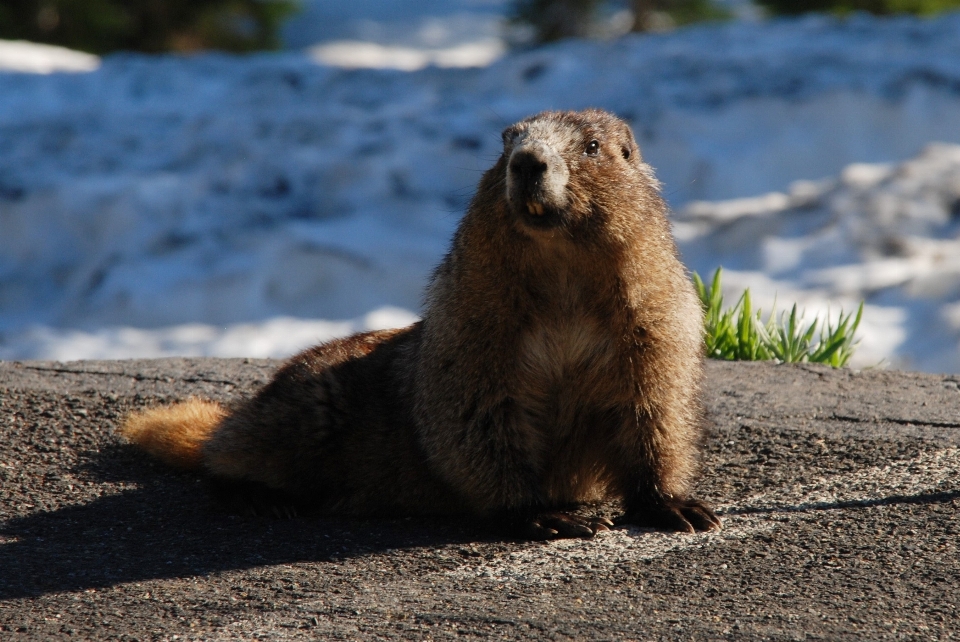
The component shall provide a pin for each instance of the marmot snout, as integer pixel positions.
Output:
(559, 361)
(537, 180)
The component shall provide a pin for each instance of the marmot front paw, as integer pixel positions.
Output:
(554, 525)
(682, 515)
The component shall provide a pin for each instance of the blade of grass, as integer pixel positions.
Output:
(739, 333)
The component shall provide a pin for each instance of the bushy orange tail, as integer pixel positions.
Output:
(174, 434)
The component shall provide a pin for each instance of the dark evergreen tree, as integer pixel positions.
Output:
(102, 26)
(879, 7)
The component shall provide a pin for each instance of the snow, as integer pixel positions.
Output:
(226, 205)
(888, 234)
(426, 23)
(358, 54)
(29, 57)
(384, 35)
(277, 337)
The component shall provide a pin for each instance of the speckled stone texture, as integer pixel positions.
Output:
(839, 491)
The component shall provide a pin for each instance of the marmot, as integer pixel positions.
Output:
(558, 361)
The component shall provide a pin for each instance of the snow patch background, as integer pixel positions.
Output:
(254, 205)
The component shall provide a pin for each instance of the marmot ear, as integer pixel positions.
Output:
(629, 148)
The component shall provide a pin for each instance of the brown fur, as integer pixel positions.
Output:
(559, 361)
(175, 434)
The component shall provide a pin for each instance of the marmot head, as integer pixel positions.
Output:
(562, 169)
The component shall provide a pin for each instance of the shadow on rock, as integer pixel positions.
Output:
(170, 527)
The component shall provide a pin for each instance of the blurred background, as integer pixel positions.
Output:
(249, 177)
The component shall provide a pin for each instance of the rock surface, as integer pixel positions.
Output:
(839, 492)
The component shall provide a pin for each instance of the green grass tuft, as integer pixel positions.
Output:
(739, 333)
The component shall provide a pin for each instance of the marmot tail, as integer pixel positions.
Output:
(175, 434)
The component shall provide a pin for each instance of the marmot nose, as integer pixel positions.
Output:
(527, 167)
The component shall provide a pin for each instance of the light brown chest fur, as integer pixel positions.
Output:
(563, 361)
(568, 373)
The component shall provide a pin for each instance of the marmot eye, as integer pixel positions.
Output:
(593, 148)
